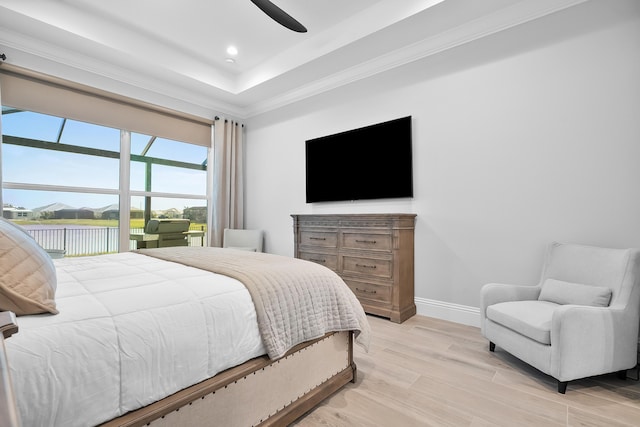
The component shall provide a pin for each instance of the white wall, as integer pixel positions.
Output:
(521, 138)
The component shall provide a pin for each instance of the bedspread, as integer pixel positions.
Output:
(295, 300)
(131, 330)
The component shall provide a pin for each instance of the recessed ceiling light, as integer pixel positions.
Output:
(230, 60)
(232, 50)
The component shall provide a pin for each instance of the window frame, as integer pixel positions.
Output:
(17, 90)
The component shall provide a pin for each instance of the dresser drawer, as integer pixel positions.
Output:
(324, 239)
(376, 242)
(370, 291)
(367, 266)
(328, 260)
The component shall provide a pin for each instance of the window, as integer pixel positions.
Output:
(60, 180)
(167, 166)
(168, 180)
(42, 149)
(76, 223)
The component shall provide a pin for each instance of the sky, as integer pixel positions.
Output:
(27, 165)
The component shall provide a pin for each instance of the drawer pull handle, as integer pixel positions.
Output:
(365, 266)
(322, 261)
(366, 291)
(373, 242)
(317, 238)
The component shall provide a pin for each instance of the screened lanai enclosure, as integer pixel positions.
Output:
(66, 182)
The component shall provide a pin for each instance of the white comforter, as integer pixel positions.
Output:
(115, 312)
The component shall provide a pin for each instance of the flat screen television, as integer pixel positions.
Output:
(372, 162)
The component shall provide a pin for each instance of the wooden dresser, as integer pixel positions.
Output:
(373, 253)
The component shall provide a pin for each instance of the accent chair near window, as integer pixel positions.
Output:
(247, 240)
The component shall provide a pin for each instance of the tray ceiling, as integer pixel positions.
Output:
(168, 52)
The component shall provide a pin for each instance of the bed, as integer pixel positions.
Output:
(175, 336)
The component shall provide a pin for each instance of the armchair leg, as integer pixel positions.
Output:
(492, 346)
(562, 386)
(622, 375)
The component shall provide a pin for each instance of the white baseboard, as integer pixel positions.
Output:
(448, 311)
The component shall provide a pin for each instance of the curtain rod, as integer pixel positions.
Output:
(225, 120)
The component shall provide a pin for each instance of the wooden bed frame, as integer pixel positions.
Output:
(259, 392)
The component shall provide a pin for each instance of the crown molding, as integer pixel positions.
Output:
(482, 27)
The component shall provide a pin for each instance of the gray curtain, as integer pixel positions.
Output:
(228, 186)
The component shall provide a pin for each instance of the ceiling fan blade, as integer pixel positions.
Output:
(279, 15)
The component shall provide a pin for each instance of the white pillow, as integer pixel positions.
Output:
(27, 274)
(561, 292)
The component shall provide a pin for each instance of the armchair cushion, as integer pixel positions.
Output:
(529, 318)
(561, 292)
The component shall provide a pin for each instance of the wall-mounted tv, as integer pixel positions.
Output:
(372, 162)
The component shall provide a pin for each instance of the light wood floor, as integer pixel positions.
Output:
(430, 372)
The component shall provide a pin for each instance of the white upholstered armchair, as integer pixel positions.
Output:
(581, 320)
(247, 240)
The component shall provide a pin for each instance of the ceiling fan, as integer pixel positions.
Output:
(279, 15)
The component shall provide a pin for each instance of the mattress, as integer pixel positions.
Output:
(131, 330)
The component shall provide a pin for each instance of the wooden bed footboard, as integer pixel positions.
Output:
(259, 392)
(8, 410)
